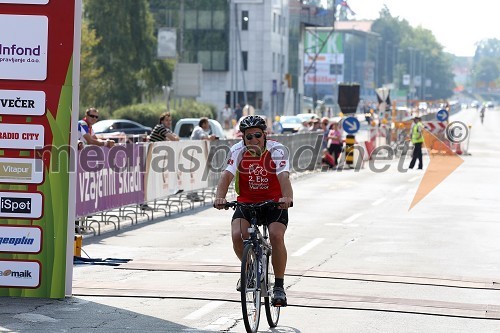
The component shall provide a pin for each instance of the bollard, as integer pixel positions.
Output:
(77, 246)
(349, 150)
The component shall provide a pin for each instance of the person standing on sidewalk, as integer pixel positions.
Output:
(417, 138)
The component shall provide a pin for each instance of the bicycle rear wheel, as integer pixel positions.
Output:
(272, 312)
(250, 291)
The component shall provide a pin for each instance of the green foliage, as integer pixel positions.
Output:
(90, 71)
(486, 67)
(126, 51)
(148, 114)
(407, 48)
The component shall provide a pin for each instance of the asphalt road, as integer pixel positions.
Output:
(359, 259)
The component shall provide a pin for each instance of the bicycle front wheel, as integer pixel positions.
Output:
(250, 289)
(272, 312)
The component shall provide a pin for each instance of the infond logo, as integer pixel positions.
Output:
(21, 204)
(15, 205)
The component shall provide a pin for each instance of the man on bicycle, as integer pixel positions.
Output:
(261, 168)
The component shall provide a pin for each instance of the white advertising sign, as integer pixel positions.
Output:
(19, 273)
(21, 170)
(23, 205)
(23, 47)
(21, 136)
(20, 239)
(167, 41)
(327, 69)
(26, 2)
(22, 102)
(175, 166)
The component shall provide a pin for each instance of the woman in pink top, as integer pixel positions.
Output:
(335, 141)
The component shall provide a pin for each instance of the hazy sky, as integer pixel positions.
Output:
(456, 24)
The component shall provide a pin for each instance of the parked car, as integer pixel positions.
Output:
(307, 116)
(119, 130)
(290, 124)
(185, 126)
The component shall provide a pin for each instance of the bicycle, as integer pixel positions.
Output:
(257, 274)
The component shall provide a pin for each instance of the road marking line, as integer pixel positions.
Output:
(352, 218)
(209, 307)
(378, 202)
(307, 247)
(397, 189)
(219, 324)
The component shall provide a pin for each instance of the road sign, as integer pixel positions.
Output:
(435, 127)
(442, 115)
(350, 125)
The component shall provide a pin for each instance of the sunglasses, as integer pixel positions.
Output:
(93, 116)
(256, 135)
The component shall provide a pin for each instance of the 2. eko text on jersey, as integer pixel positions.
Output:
(257, 179)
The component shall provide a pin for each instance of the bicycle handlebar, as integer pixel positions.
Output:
(268, 203)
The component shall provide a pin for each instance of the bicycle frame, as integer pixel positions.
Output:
(260, 243)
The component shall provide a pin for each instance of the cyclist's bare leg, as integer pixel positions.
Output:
(279, 255)
(239, 232)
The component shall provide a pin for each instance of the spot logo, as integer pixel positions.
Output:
(15, 205)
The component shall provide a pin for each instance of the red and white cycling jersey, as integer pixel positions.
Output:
(256, 176)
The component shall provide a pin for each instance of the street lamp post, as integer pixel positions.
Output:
(386, 71)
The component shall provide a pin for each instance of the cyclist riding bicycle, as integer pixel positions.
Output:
(261, 168)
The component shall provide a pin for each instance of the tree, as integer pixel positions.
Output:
(486, 66)
(420, 56)
(126, 51)
(486, 71)
(90, 71)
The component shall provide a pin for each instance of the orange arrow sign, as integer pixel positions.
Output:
(443, 161)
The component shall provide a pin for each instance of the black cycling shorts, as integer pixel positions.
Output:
(265, 215)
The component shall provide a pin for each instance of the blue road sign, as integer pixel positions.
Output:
(442, 115)
(350, 125)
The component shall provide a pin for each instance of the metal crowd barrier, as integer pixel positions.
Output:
(305, 154)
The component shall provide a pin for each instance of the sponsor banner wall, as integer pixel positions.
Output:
(109, 178)
(39, 75)
(176, 165)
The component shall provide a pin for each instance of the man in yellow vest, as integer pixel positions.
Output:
(417, 138)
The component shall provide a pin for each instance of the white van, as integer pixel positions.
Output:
(185, 126)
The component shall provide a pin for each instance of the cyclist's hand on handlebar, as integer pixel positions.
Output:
(220, 203)
(286, 202)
